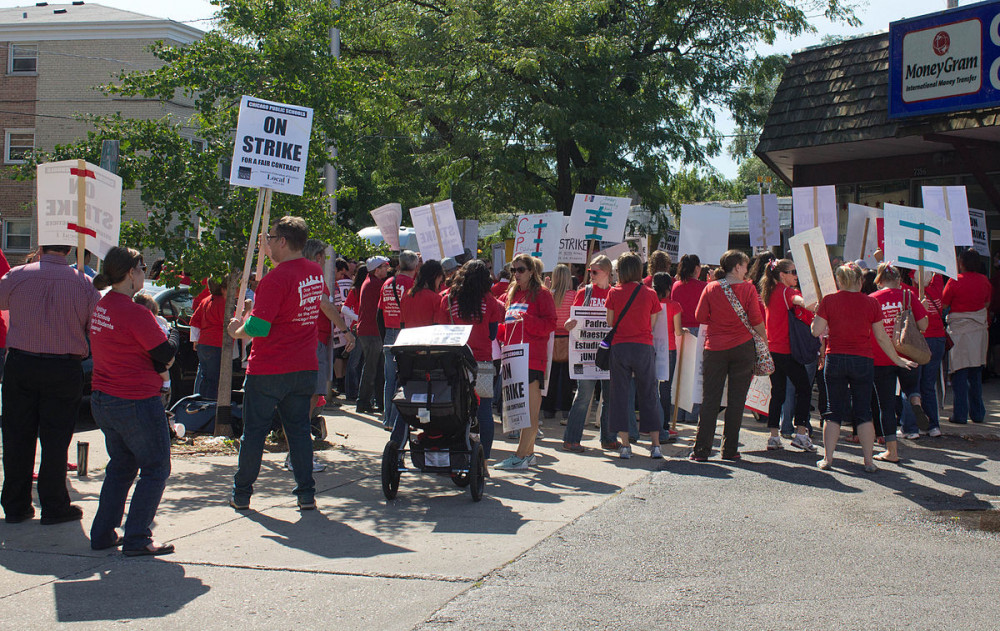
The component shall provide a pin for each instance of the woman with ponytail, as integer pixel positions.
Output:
(129, 351)
(778, 293)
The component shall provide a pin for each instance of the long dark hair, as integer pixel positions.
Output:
(685, 269)
(729, 261)
(360, 274)
(428, 273)
(662, 282)
(759, 265)
(772, 278)
(117, 265)
(471, 283)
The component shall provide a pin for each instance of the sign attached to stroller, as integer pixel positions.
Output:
(437, 335)
(514, 381)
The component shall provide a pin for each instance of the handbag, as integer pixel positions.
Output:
(603, 357)
(560, 349)
(763, 365)
(907, 338)
(485, 374)
(805, 346)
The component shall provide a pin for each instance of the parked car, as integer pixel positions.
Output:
(176, 306)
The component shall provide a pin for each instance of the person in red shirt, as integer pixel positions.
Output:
(662, 283)
(207, 326)
(352, 302)
(4, 268)
(530, 316)
(129, 351)
(390, 305)
(729, 353)
(935, 336)
(421, 302)
(369, 338)
(559, 396)
(851, 318)
(659, 261)
(593, 295)
(779, 296)
(499, 289)
(893, 299)
(281, 371)
(632, 354)
(687, 291)
(471, 302)
(968, 297)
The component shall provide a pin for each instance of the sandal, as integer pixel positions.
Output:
(884, 457)
(152, 550)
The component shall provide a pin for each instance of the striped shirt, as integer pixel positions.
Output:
(50, 306)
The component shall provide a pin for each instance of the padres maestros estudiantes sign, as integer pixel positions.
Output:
(945, 62)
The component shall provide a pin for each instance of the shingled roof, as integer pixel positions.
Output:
(838, 94)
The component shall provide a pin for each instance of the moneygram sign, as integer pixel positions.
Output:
(945, 62)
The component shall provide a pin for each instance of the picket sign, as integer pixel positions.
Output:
(951, 203)
(933, 249)
(599, 218)
(499, 258)
(540, 235)
(92, 190)
(514, 381)
(809, 253)
(388, 218)
(661, 344)
(815, 207)
(704, 231)
(759, 395)
(437, 230)
(980, 242)
(861, 240)
(763, 220)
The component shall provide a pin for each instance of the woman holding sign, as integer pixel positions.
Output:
(968, 297)
(851, 318)
(530, 317)
(687, 291)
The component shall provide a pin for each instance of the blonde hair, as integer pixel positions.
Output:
(603, 262)
(562, 282)
(534, 265)
(887, 273)
(848, 275)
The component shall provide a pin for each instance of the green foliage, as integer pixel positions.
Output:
(746, 179)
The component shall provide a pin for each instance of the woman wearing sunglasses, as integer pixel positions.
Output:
(530, 318)
(779, 295)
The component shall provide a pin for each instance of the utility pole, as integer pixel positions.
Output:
(329, 170)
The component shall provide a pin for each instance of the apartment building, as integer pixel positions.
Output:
(53, 58)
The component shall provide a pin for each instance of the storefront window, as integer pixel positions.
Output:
(876, 194)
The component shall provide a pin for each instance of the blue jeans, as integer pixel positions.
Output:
(487, 428)
(788, 407)
(206, 382)
(578, 413)
(390, 413)
(968, 386)
(849, 381)
(138, 442)
(290, 394)
(928, 381)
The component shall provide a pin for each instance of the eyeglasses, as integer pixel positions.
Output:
(271, 236)
(594, 270)
(792, 271)
(519, 270)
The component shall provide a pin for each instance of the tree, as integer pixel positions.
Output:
(276, 50)
(524, 103)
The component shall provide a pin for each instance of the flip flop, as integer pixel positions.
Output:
(883, 457)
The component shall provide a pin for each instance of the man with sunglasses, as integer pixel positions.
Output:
(281, 372)
(50, 306)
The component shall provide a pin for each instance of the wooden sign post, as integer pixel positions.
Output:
(81, 212)
(811, 264)
(263, 201)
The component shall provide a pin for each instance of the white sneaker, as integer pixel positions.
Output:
(513, 463)
(774, 443)
(911, 436)
(317, 465)
(655, 453)
(803, 442)
(625, 452)
(934, 433)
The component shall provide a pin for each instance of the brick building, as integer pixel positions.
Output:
(52, 58)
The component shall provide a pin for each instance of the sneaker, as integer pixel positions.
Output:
(655, 453)
(241, 506)
(935, 432)
(910, 436)
(625, 452)
(803, 442)
(774, 443)
(317, 465)
(532, 460)
(824, 464)
(514, 435)
(540, 435)
(513, 463)
(307, 504)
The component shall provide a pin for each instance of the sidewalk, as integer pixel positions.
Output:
(359, 561)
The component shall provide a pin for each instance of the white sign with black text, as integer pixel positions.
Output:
(272, 146)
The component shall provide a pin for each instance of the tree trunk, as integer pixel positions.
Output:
(564, 177)
(224, 404)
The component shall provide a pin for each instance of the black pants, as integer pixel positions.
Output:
(41, 402)
(787, 369)
(560, 395)
(737, 364)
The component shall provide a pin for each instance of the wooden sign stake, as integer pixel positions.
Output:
(947, 206)
(864, 237)
(81, 211)
(437, 231)
(677, 376)
(812, 271)
(265, 226)
(815, 208)
(263, 198)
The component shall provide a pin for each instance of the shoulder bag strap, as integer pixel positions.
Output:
(737, 307)
(625, 310)
(587, 294)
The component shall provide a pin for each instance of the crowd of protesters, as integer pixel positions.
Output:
(749, 313)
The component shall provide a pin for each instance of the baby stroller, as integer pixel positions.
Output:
(436, 375)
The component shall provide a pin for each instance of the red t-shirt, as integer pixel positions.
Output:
(324, 328)
(500, 288)
(634, 327)
(562, 312)
(368, 306)
(598, 296)
(688, 293)
(648, 281)
(210, 317)
(420, 309)
(891, 301)
(288, 298)
(537, 321)
(4, 268)
(932, 298)
(673, 308)
(479, 340)
(390, 299)
(121, 335)
(969, 292)
(850, 315)
(777, 318)
(725, 328)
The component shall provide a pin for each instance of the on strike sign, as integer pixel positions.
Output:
(58, 198)
(272, 146)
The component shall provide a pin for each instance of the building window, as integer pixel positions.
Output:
(17, 235)
(198, 145)
(18, 145)
(23, 59)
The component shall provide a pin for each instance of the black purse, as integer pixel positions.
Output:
(603, 358)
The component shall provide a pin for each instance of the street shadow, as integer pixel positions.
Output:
(127, 590)
(702, 469)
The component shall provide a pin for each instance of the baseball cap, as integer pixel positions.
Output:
(375, 261)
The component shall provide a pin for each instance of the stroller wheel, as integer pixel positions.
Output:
(477, 472)
(390, 470)
(461, 480)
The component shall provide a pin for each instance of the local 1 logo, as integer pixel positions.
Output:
(941, 44)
